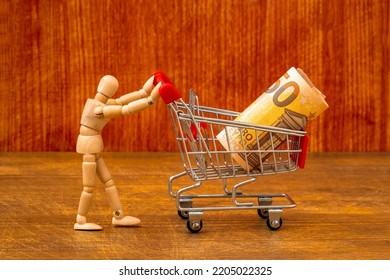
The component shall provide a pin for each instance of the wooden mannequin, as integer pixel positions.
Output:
(97, 113)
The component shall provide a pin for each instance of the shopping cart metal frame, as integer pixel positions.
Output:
(204, 159)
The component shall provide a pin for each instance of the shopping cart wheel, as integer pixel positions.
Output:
(263, 213)
(183, 214)
(194, 227)
(264, 202)
(184, 204)
(274, 224)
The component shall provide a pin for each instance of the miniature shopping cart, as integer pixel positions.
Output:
(204, 158)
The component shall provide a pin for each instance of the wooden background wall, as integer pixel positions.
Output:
(53, 53)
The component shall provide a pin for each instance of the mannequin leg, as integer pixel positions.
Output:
(89, 183)
(112, 192)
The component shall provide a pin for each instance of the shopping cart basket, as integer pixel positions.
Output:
(204, 158)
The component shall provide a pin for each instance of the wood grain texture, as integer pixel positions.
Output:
(53, 54)
(342, 211)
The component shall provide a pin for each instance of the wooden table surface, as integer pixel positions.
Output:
(342, 213)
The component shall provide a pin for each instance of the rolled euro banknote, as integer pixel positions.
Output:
(289, 103)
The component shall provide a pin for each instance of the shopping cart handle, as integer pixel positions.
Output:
(302, 155)
(159, 76)
(169, 93)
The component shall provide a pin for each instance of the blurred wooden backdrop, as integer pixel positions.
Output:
(53, 53)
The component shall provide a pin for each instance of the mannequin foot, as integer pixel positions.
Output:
(87, 226)
(81, 224)
(126, 221)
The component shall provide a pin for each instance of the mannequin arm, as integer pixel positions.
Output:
(139, 104)
(130, 97)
